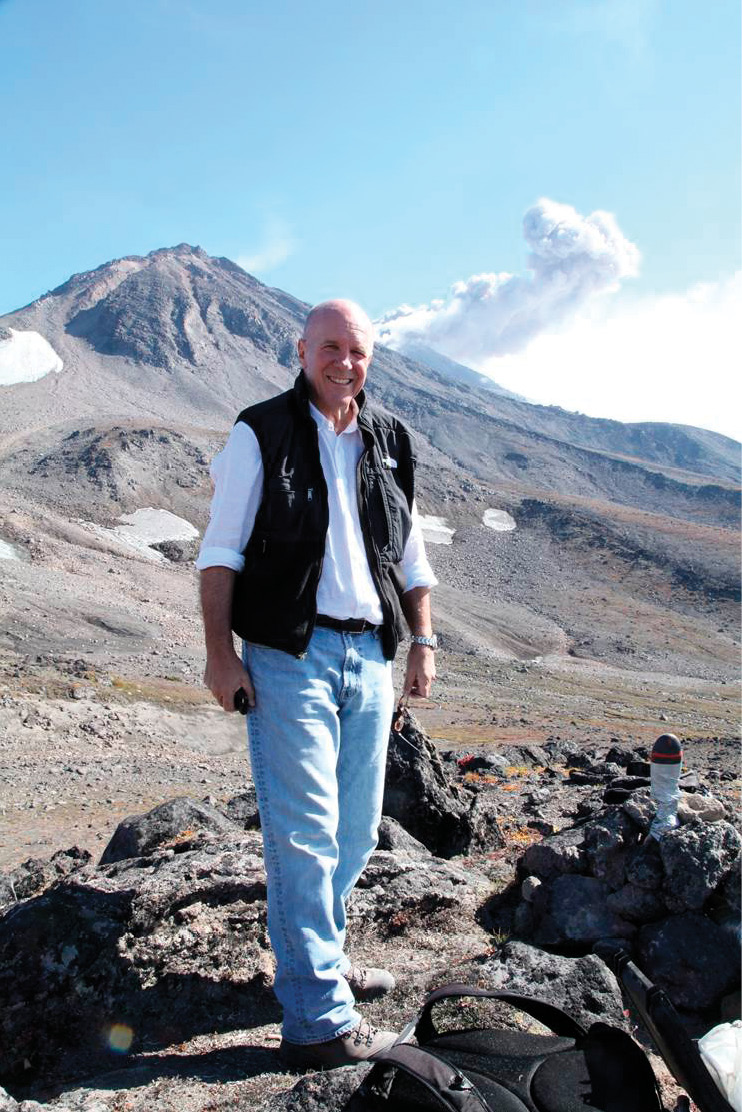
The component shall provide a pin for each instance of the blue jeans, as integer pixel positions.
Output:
(318, 736)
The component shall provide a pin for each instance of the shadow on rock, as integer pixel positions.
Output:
(138, 954)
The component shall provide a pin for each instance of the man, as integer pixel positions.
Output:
(313, 554)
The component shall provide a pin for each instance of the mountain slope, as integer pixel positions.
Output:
(182, 337)
(625, 547)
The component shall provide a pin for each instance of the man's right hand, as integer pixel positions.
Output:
(224, 676)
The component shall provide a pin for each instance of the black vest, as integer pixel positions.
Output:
(275, 596)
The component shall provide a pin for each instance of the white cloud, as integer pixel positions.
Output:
(674, 357)
(278, 244)
(572, 259)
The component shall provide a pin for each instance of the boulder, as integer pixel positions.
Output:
(398, 893)
(37, 874)
(638, 905)
(420, 795)
(692, 958)
(571, 912)
(583, 986)
(608, 839)
(173, 823)
(696, 806)
(394, 837)
(242, 809)
(560, 853)
(644, 865)
(696, 858)
(166, 946)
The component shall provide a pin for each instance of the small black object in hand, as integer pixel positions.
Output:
(240, 701)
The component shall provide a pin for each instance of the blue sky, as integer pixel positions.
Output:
(385, 151)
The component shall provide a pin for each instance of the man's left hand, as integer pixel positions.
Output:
(420, 671)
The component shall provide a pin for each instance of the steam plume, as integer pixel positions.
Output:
(572, 258)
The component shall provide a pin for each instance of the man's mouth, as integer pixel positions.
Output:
(340, 381)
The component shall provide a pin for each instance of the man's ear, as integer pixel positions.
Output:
(300, 349)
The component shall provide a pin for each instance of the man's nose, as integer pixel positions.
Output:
(345, 360)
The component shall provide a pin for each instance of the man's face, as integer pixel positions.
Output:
(335, 353)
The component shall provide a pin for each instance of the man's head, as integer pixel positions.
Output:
(335, 351)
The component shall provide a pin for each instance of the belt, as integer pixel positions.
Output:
(346, 625)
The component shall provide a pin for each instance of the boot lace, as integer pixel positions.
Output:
(363, 1033)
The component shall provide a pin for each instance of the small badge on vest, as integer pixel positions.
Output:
(388, 462)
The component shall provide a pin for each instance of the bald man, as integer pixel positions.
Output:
(314, 557)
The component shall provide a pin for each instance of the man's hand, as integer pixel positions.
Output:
(224, 676)
(420, 671)
(421, 658)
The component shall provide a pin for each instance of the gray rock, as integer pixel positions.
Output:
(420, 795)
(567, 753)
(584, 986)
(398, 893)
(243, 809)
(178, 552)
(730, 891)
(485, 832)
(168, 945)
(644, 865)
(696, 858)
(638, 905)
(7, 1104)
(529, 887)
(561, 853)
(607, 842)
(695, 961)
(640, 809)
(318, 1092)
(571, 911)
(172, 823)
(394, 837)
(696, 806)
(36, 874)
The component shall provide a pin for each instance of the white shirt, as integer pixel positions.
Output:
(346, 588)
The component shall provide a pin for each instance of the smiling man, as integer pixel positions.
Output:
(314, 557)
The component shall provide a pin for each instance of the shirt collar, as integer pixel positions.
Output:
(323, 422)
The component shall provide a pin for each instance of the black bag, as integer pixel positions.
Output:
(501, 1070)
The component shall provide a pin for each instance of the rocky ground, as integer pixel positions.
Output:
(103, 715)
(148, 981)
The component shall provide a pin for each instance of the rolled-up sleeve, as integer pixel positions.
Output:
(417, 570)
(237, 472)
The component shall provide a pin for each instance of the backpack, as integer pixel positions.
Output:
(574, 1069)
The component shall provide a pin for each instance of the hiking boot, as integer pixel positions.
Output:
(367, 983)
(357, 1045)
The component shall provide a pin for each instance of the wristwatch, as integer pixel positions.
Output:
(418, 639)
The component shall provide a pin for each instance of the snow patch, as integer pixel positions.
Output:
(436, 530)
(7, 552)
(146, 527)
(25, 357)
(499, 520)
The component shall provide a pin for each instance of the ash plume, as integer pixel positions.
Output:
(572, 258)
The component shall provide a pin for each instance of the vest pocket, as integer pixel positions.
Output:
(398, 520)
